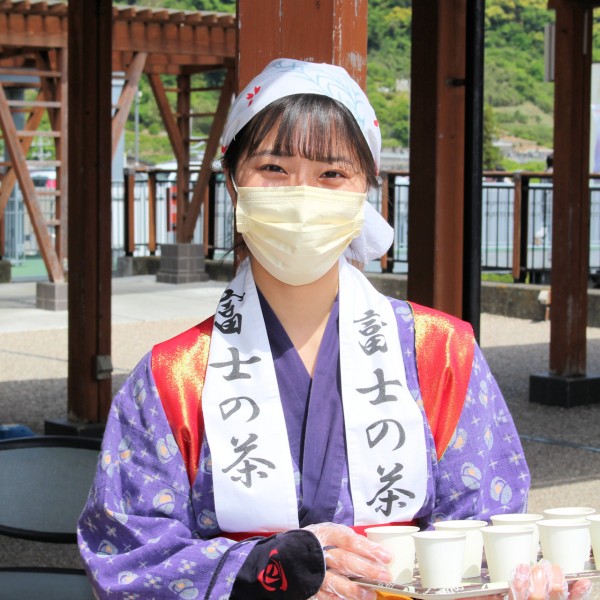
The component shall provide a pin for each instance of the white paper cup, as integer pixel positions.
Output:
(506, 546)
(569, 512)
(565, 542)
(522, 519)
(440, 556)
(399, 541)
(473, 543)
(595, 535)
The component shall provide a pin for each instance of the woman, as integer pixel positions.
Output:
(314, 413)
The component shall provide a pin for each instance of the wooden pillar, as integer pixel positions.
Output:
(568, 382)
(129, 212)
(332, 31)
(89, 156)
(571, 199)
(152, 212)
(437, 149)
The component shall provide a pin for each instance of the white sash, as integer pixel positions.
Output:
(252, 467)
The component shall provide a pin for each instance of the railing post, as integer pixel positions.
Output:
(516, 254)
(209, 217)
(129, 193)
(2, 236)
(520, 225)
(525, 267)
(152, 213)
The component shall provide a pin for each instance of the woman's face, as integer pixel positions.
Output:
(266, 168)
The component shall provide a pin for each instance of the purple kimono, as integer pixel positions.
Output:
(145, 533)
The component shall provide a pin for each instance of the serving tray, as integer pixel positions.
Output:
(476, 586)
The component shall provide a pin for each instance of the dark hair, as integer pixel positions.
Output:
(310, 125)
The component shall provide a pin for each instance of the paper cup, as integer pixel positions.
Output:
(595, 535)
(506, 546)
(522, 519)
(399, 541)
(440, 556)
(473, 543)
(569, 512)
(565, 542)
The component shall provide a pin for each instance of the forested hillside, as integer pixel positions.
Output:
(518, 101)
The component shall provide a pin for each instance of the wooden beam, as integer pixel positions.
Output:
(212, 146)
(10, 177)
(173, 38)
(19, 163)
(48, 85)
(32, 30)
(90, 260)
(571, 199)
(436, 199)
(164, 108)
(61, 146)
(126, 98)
(183, 167)
(162, 31)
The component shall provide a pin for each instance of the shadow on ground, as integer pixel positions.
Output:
(562, 445)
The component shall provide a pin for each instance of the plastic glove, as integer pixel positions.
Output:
(348, 554)
(545, 581)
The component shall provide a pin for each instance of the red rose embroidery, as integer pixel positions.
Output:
(272, 576)
(251, 95)
(376, 123)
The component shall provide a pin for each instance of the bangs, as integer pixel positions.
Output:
(312, 126)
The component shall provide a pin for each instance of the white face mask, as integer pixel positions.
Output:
(297, 233)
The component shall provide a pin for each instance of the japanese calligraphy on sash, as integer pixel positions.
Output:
(252, 467)
(385, 438)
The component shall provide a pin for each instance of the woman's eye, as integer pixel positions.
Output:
(332, 174)
(272, 168)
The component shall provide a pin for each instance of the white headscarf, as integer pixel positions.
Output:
(286, 77)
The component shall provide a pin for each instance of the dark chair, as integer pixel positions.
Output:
(44, 483)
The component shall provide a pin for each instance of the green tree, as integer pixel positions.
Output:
(514, 70)
(491, 154)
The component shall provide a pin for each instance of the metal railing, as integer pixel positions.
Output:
(516, 221)
(514, 207)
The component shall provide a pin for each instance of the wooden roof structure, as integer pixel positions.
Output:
(174, 39)
(145, 41)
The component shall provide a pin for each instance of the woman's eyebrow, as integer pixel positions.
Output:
(325, 159)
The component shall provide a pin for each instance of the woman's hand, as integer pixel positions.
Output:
(348, 554)
(545, 581)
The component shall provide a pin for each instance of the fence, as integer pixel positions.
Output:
(530, 195)
(514, 207)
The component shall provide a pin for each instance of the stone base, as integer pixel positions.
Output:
(5, 271)
(181, 263)
(219, 270)
(555, 390)
(129, 266)
(66, 427)
(52, 296)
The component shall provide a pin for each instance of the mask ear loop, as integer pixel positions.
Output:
(235, 187)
